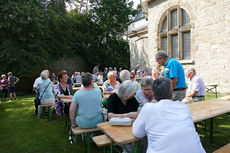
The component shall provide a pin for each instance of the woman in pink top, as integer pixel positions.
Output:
(4, 85)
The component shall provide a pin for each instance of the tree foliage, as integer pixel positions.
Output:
(34, 34)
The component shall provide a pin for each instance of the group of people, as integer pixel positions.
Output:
(7, 85)
(164, 119)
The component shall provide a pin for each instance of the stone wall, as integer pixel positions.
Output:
(210, 38)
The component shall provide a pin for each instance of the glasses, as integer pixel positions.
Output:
(147, 90)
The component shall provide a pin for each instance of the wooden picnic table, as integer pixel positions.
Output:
(67, 100)
(120, 135)
(211, 87)
(76, 88)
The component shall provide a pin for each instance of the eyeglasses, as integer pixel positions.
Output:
(147, 90)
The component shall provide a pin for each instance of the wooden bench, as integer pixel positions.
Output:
(224, 149)
(85, 136)
(102, 140)
(50, 109)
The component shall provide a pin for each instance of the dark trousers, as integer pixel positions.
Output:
(36, 103)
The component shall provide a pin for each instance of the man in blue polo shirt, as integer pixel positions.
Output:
(174, 71)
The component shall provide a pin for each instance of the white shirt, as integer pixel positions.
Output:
(169, 127)
(196, 84)
(37, 81)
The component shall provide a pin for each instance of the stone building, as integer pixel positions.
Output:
(195, 32)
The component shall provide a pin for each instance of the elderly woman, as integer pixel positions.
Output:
(4, 85)
(87, 102)
(62, 91)
(145, 95)
(124, 75)
(111, 85)
(123, 103)
(45, 88)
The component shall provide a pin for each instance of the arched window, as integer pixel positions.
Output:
(174, 33)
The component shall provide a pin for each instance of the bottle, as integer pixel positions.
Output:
(139, 108)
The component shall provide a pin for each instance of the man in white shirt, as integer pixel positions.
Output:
(168, 124)
(196, 87)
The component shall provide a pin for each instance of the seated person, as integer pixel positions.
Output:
(62, 91)
(111, 85)
(87, 102)
(123, 103)
(145, 95)
(168, 124)
(196, 87)
(139, 75)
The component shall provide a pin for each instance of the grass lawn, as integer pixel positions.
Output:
(20, 131)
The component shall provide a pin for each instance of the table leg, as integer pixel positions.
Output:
(136, 147)
(216, 92)
(211, 130)
(111, 147)
(88, 143)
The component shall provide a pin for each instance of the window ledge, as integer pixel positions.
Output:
(187, 61)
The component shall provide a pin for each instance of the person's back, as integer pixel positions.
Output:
(89, 111)
(171, 129)
(12, 80)
(46, 87)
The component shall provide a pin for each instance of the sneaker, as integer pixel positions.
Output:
(38, 117)
(10, 101)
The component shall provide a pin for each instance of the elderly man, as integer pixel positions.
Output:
(196, 87)
(146, 94)
(174, 71)
(168, 124)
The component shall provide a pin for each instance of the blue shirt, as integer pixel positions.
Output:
(173, 69)
(42, 86)
(89, 110)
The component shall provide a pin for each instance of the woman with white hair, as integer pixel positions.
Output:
(45, 88)
(123, 103)
(111, 85)
(124, 75)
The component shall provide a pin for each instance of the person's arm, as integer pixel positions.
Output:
(174, 81)
(72, 110)
(191, 94)
(17, 79)
(64, 96)
(132, 115)
(138, 127)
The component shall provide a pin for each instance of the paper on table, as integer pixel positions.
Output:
(120, 121)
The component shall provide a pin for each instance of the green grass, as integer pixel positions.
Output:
(20, 131)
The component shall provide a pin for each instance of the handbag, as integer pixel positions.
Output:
(39, 99)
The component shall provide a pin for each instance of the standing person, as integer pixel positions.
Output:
(96, 68)
(5, 88)
(54, 78)
(168, 124)
(105, 74)
(136, 68)
(12, 81)
(174, 71)
(196, 87)
(45, 88)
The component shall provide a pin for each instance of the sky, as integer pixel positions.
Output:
(136, 2)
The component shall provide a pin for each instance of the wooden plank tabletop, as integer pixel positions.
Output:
(119, 134)
(224, 149)
(76, 88)
(208, 109)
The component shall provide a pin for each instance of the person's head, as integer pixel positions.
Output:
(124, 75)
(98, 65)
(190, 73)
(9, 74)
(156, 74)
(162, 88)
(138, 72)
(106, 69)
(146, 86)
(161, 58)
(3, 76)
(138, 66)
(45, 74)
(127, 90)
(63, 76)
(112, 75)
(53, 75)
(86, 79)
(110, 68)
(75, 73)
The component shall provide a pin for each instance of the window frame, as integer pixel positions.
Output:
(178, 30)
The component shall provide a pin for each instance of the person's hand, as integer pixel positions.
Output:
(132, 115)
(70, 97)
(73, 126)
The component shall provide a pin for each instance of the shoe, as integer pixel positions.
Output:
(38, 117)
(10, 101)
